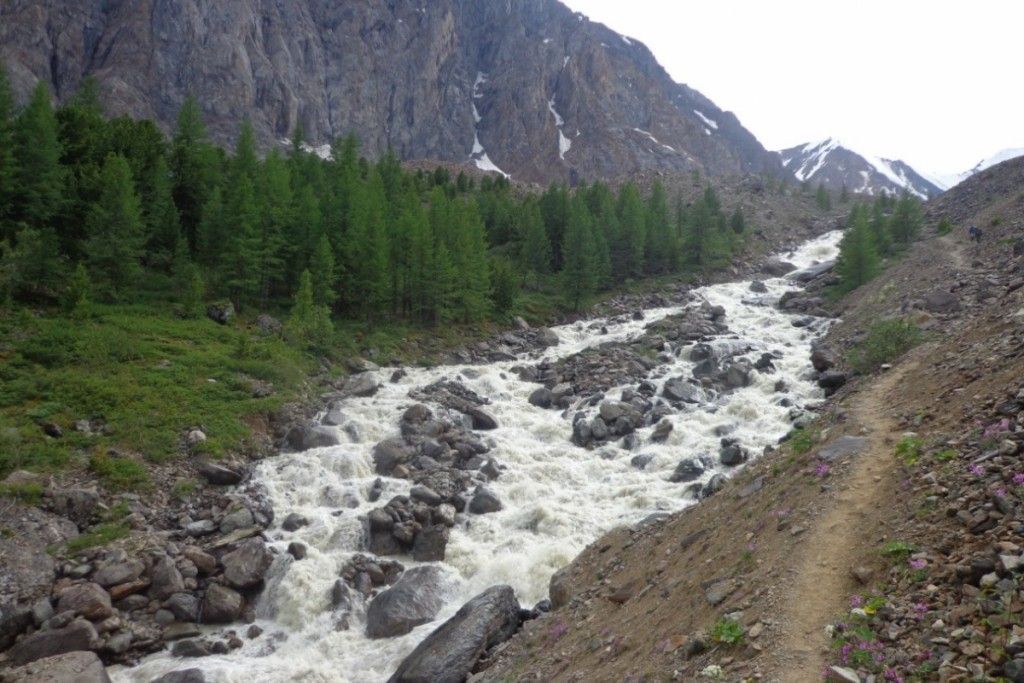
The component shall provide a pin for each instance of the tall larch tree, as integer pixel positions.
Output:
(115, 230)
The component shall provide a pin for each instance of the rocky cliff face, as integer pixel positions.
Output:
(524, 86)
(833, 165)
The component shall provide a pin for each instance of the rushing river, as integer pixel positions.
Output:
(557, 497)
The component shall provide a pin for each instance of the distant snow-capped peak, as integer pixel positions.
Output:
(835, 165)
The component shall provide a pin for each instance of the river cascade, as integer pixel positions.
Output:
(556, 497)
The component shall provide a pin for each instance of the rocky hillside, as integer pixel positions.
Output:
(831, 164)
(880, 542)
(526, 87)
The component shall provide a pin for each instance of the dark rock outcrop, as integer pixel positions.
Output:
(414, 599)
(448, 654)
(398, 75)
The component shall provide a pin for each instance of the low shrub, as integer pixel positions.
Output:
(885, 342)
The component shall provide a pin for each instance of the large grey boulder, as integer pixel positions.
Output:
(219, 474)
(87, 600)
(166, 579)
(246, 566)
(118, 570)
(678, 389)
(361, 385)
(78, 635)
(414, 599)
(306, 436)
(13, 620)
(449, 654)
(221, 605)
(72, 667)
(688, 469)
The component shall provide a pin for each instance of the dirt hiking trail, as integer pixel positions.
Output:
(845, 535)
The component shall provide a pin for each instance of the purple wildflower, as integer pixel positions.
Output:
(920, 609)
(856, 601)
(918, 563)
(976, 470)
(1018, 479)
(1000, 492)
(821, 470)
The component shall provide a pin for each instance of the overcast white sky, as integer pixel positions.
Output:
(939, 84)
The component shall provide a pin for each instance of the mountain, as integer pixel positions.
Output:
(527, 87)
(988, 162)
(833, 165)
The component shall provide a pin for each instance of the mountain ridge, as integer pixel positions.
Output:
(831, 163)
(527, 87)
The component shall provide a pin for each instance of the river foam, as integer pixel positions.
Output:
(557, 497)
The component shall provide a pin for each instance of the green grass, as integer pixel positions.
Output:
(119, 474)
(146, 374)
(727, 631)
(898, 550)
(885, 342)
(101, 534)
(29, 494)
(909, 450)
(803, 439)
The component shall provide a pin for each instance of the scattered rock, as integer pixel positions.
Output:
(414, 599)
(245, 566)
(87, 600)
(484, 501)
(221, 605)
(78, 635)
(449, 654)
(221, 312)
(71, 667)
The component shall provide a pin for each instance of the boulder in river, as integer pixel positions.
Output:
(541, 397)
(414, 599)
(363, 384)
(484, 501)
(678, 389)
(245, 566)
(449, 654)
(687, 470)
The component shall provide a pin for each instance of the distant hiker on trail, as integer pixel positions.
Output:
(974, 233)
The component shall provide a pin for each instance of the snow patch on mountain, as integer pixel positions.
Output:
(564, 143)
(711, 123)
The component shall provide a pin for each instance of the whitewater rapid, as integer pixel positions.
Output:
(557, 497)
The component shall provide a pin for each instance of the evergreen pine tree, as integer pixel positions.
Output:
(214, 235)
(115, 230)
(8, 172)
(536, 247)
(660, 248)
(274, 205)
(879, 228)
(905, 224)
(579, 273)
(468, 250)
(244, 244)
(324, 275)
(309, 323)
(504, 287)
(858, 260)
(632, 231)
(738, 223)
(162, 222)
(822, 198)
(191, 166)
(38, 187)
(76, 297)
(245, 162)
